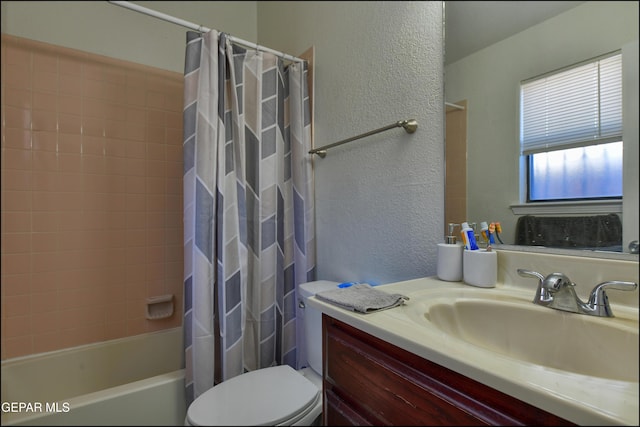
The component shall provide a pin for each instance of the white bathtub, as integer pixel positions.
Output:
(129, 381)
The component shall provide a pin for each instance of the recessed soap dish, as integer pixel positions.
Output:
(159, 307)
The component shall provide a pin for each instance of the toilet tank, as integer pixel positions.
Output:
(313, 322)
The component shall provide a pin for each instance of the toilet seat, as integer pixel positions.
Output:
(268, 396)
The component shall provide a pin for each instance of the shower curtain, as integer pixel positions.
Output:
(249, 232)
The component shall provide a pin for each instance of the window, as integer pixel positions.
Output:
(571, 132)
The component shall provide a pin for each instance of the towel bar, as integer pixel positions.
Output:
(409, 125)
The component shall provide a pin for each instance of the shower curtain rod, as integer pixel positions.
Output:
(199, 28)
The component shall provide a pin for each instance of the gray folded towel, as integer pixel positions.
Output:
(362, 298)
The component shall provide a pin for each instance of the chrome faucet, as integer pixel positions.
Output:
(558, 291)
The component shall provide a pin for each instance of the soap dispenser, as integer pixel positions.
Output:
(450, 257)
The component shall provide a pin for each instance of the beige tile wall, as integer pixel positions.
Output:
(91, 196)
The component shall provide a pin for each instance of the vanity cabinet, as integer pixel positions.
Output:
(367, 381)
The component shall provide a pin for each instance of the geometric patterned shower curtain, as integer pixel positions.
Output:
(249, 230)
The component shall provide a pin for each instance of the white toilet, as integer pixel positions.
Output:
(273, 396)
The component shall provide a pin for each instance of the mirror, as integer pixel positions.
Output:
(490, 47)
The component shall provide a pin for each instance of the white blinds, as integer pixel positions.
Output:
(576, 107)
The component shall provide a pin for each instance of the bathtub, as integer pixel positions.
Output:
(129, 381)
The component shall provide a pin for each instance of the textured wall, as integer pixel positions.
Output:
(379, 200)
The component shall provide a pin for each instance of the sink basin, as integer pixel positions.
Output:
(512, 326)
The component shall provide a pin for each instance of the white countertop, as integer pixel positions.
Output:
(578, 398)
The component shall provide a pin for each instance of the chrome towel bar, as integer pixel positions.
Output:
(409, 125)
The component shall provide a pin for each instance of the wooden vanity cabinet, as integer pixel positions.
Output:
(367, 381)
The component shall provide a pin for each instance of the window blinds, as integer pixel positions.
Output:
(576, 107)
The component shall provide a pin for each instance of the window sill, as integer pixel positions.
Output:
(568, 208)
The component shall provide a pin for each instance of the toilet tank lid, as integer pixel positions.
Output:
(309, 289)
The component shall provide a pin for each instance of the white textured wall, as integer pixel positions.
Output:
(106, 29)
(490, 81)
(379, 200)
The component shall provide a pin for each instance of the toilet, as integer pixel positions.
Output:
(278, 395)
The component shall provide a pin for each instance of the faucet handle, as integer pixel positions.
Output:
(556, 281)
(542, 296)
(529, 273)
(598, 299)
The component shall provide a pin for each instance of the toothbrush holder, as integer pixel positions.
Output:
(480, 268)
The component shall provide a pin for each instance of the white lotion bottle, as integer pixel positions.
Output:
(449, 267)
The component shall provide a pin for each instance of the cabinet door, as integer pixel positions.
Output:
(340, 413)
(369, 381)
